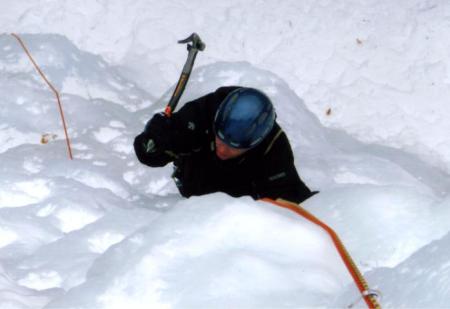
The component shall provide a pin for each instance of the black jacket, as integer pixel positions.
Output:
(265, 171)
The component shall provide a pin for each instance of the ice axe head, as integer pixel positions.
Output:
(194, 44)
(197, 43)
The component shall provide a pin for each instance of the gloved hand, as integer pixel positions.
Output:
(160, 129)
(171, 133)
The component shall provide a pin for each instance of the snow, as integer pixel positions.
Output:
(162, 260)
(352, 57)
(7, 237)
(23, 193)
(103, 231)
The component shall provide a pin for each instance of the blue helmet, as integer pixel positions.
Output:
(244, 118)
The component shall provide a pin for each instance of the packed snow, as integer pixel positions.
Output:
(350, 57)
(103, 231)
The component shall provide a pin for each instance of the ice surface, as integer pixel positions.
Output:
(103, 231)
(380, 67)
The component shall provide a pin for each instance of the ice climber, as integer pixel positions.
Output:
(227, 141)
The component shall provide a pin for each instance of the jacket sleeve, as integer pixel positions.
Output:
(278, 177)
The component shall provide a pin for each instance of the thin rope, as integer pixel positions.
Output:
(69, 149)
(358, 278)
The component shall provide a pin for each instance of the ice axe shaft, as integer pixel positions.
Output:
(194, 45)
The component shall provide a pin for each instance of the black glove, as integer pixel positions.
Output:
(159, 129)
(147, 152)
(170, 134)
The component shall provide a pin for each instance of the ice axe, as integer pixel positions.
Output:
(194, 44)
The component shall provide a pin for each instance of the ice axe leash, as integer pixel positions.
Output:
(194, 45)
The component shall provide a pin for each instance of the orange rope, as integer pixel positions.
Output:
(348, 261)
(52, 88)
